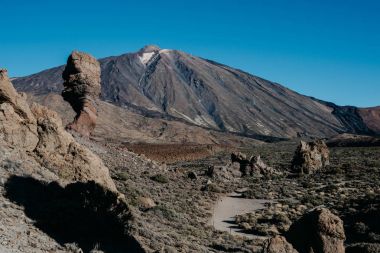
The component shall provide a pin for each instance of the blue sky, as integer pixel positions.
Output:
(326, 49)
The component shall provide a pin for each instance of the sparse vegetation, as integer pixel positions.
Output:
(160, 178)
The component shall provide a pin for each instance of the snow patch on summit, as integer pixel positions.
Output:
(145, 57)
(163, 51)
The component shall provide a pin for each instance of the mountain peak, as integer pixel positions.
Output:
(149, 49)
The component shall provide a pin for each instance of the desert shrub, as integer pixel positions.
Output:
(307, 184)
(122, 175)
(214, 188)
(311, 200)
(333, 170)
(166, 212)
(372, 163)
(160, 178)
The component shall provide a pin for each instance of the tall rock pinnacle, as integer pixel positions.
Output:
(81, 89)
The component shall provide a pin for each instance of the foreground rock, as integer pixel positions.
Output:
(56, 195)
(17, 123)
(81, 89)
(39, 132)
(310, 157)
(58, 150)
(318, 231)
(278, 244)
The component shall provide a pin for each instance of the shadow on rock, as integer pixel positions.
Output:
(83, 213)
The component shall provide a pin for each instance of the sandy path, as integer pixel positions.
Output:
(228, 207)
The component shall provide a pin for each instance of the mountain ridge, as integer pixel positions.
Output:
(173, 84)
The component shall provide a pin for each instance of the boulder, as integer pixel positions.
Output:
(146, 203)
(240, 160)
(310, 157)
(278, 244)
(82, 90)
(257, 166)
(249, 167)
(318, 231)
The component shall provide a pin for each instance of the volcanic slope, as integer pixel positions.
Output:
(171, 84)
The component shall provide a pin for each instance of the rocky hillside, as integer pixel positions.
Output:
(52, 188)
(174, 85)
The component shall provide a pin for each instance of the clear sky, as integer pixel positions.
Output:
(329, 49)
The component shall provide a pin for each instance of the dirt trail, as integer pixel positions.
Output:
(228, 207)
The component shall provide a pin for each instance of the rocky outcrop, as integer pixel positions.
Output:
(318, 231)
(257, 166)
(239, 160)
(38, 132)
(65, 156)
(310, 157)
(278, 244)
(249, 167)
(82, 89)
(239, 157)
(17, 123)
(239, 167)
(60, 189)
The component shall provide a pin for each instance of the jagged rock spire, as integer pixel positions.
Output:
(81, 89)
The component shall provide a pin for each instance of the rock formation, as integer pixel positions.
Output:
(240, 161)
(249, 167)
(59, 188)
(239, 157)
(310, 157)
(257, 166)
(81, 89)
(318, 231)
(278, 244)
(65, 156)
(39, 132)
(17, 123)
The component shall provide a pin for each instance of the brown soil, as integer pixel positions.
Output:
(170, 153)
